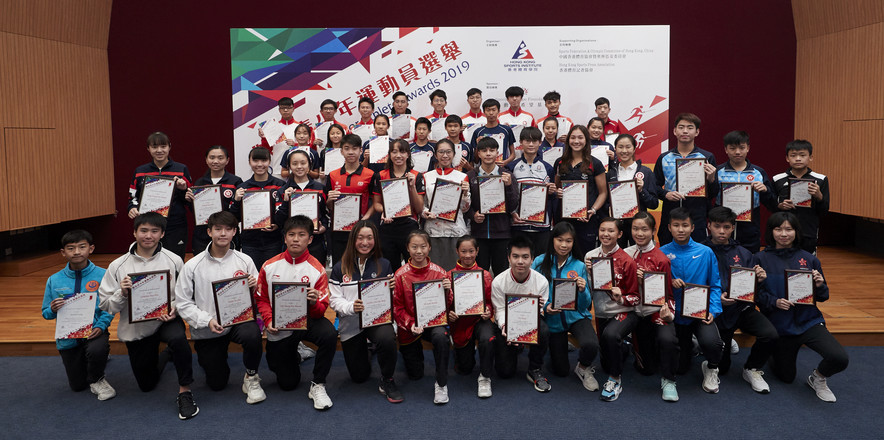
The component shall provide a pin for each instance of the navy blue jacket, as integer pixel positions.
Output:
(177, 212)
(799, 318)
(647, 197)
(730, 255)
(257, 238)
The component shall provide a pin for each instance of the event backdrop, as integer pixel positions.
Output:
(627, 64)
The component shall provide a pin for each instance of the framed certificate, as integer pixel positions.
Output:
(522, 316)
(653, 289)
(532, 202)
(289, 305)
(690, 177)
(74, 319)
(400, 126)
(334, 160)
(364, 131)
(305, 203)
(156, 195)
(564, 294)
(150, 297)
(602, 273)
(346, 211)
(739, 197)
(564, 127)
(437, 129)
(575, 198)
(257, 207)
(468, 287)
(695, 301)
(624, 198)
(421, 160)
(468, 129)
(446, 200)
(799, 287)
(492, 195)
(553, 154)
(377, 298)
(379, 149)
(396, 198)
(233, 301)
(799, 192)
(206, 201)
(430, 309)
(741, 284)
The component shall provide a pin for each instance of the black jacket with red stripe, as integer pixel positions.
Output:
(229, 182)
(259, 238)
(177, 211)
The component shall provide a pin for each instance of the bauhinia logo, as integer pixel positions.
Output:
(522, 53)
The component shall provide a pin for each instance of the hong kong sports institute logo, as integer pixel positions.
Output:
(522, 61)
(522, 53)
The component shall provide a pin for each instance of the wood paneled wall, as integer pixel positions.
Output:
(839, 98)
(56, 155)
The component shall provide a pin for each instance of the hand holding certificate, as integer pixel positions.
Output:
(289, 306)
(206, 201)
(321, 132)
(377, 302)
(564, 294)
(532, 203)
(654, 288)
(799, 287)
(233, 301)
(156, 195)
(575, 199)
(396, 198)
(739, 197)
(345, 211)
(257, 207)
(305, 203)
(602, 273)
(74, 319)
(150, 297)
(492, 195)
(554, 153)
(469, 292)
(695, 301)
(522, 317)
(429, 304)
(799, 192)
(445, 203)
(690, 177)
(379, 149)
(741, 284)
(624, 199)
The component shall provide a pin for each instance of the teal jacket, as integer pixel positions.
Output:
(562, 321)
(66, 282)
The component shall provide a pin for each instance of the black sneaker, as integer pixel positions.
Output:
(540, 383)
(187, 408)
(389, 389)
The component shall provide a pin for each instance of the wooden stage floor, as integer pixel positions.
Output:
(854, 313)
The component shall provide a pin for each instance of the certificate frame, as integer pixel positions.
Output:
(162, 210)
(803, 204)
(267, 221)
(155, 314)
(200, 218)
(609, 261)
(246, 316)
(441, 319)
(301, 194)
(325, 168)
(695, 315)
(630, 211)
(475, 309)
(81, 312)
(539, 217)
(335, 218)
(531, 337)
(499, 206)
(373, 142)
(301, 322)
(583, 211)
(695, 192)
(743, 216)
(398, 211)
(658, 302)
(556, 299)
(744, 297)
(808, 300)
(447, 213)
(383, 318)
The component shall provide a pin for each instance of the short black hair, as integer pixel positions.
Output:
(298, 222)
(776, 220)
(425, 121)
(552, 96)
(514, 91)
(519, 241)
(647, 218)
(398, 94)
(690, 117)
(736, 137)
(601, 101)
(721, 214)
(473, 91)
(222, 218)
(75, 236)
(259, 153)
(617, 223)
(680, 214)
(625, 136)
(551, 118)
(352, 140)
(217, 147)
(328, 102)
(366, 99)
(158, 138)
(490, 102)
(486, 143)
(285, 101)
(465, 239)
(440, 93)
(798, 145)
(453, 119)
(530, 134)
(150, 218)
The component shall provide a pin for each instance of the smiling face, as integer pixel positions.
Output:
(520, 262)
(399, 156)
(444, 155)
(642, 233)
(552, 105)
(298, 165)
(302, 135)
(577, 141)
(625, 151)
(784, 235)
(466, 253)
(147, 237)
(364, 242)
(217, 160)
(418, 250)
(259, 166)
(439, 105)
(609, 234)
(159, 153)
(596, 128)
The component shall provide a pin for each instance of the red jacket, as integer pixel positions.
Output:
(403, 297)
(655, 261)
(284, 268)
(462, 329)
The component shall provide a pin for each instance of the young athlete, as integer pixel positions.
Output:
(409, 334)
(381, 126)
(438, 100)
(553, 100)
(514, 114)
(217, 160)
(143, 338)
(196, 304)
(422, 150)
(443, 233)
(158, 145)
(551, 148)
(84, 358)
(364, 128)
(596, 139)
(335, 135)
(799, 155)
(530, 168)
(496, 130)
(278, 147)
(327, 110)
(400, 103)
(628, 168)
(463, 154)
(299, 181)
(259, 244)
(491, 232)
(602, 110)
(475, 115)
(394, 230)
(577, 163)
(303, 137)
(797, 324)
(362, 261)
(352, 178)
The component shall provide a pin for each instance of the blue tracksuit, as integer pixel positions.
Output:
(694, 263)
(67, 282)
(799, 318)
(748, 233)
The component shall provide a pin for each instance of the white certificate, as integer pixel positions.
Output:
(256, 209)
(741, 285)
(156, 195)
(522, 317)
(289, 303)
(602, 273)
(206, 201)
(320, 132)
(517, 131)
(624, 199)
(739, 197)
(564, 294)
(437, 130)
(799, 287)
(364, 131)
(532, 203)
(334, 160)
(400, 127)
(564, 127)
(429, 304)
(150, 296)
(305, 203)
(233, 301)
(395, 195)
(346, 212)
(377, 300)
(690, 177)
(274, 132)
(600, 152)
(446, 200)
(421, 160)
(553, 154)
(654, 289)
(469, 292)
(500, 138)
(575, 198)
(468, 130)
(799, 192)
(379, 149)
(74, 319)
(695, 301)
(492, 195)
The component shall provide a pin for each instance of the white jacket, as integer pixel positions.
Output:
(504, 284)
(444, 228)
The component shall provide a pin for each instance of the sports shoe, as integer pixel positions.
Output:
(440, 394)
(540, 383)
(611, 390)
(818, 383)
(710, 378)
(389, 389)
(251, 385)
(754, 378)
(735, 348)
(305, 352)
(670, 394)
(187, 408)
(320, 398)
(484, 386)
(586, 376)
(102, 389)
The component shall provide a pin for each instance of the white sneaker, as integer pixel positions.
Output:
(440, 394)
(319, 397)
(252, 387)
(735, 348)
(484, 386)
(586, 376)
(818, 383)
(102, 389)
(710, 378)
(305, 352)
(754, 378)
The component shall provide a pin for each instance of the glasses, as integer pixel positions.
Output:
(444, 152)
